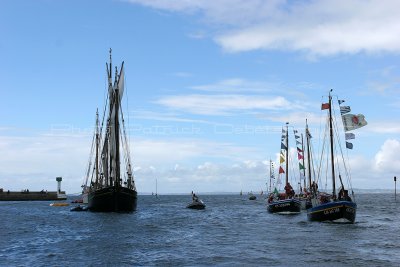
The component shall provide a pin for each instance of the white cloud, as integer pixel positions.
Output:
(318, 28)
(388, 157)
(238, 85)
(224, 104)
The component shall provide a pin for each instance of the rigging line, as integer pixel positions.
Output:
(319, 177)
(345, 165)
(127, 104)
(89, 165)
(126, 140)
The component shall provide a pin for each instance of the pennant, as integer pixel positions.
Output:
(340, 101)
(350, 136)
(308, 133)
(325, 106)
(299, 150)
(283, 146)
(344, 110)
(298, 143)
(300, 156)
(283, 131)
(276, 191)
(301, 167)
(282, 159)
(349, 145)
(281, 170)
(295, 131)
(352, 122)
(297, 137)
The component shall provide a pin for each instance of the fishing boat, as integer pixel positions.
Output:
(110, 189)
(284, 203)
(252, 196)
(336, 207)
(197, 203)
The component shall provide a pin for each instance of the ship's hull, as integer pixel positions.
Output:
(337, 211)
(112, 199)
(196, 206)
(285, 206)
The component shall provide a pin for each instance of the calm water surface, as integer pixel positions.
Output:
(231, 231)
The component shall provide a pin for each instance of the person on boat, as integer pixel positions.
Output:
(314, 187)
(344, 194)
(289, 190)
(194, 197)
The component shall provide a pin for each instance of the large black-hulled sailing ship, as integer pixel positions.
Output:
(284, 203)
(336, 207)
(111, 190)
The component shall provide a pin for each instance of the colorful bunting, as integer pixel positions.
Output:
(325, 106)
(301, 167)
(344, 110)
(308, 133)
(349, 145)
(352, 122)
(350, 136)
(283, 146)
(281, 170)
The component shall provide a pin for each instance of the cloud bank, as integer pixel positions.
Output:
(317, 28)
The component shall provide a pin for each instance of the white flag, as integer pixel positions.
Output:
(352, 122)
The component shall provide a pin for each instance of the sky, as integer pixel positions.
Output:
(209, 86)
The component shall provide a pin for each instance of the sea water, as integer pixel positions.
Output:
(231, 231)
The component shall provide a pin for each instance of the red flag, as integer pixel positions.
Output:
(325, 106)
(300, 156)
(281, 170)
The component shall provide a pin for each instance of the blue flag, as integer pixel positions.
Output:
(349, 145)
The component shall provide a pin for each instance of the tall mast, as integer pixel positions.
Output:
(331, 140)
(308, 155)
(97, 146)
(270, 174)
(117, 165)
(304, 170)
(287, 153)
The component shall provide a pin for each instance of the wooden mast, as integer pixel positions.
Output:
(308, 155)
(117, 179)
(304, 168)
(270, 175)
(97, 147)
(287, 153)
(331, 140)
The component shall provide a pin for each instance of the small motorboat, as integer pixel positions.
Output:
(79, 208)
(252, 197)
(197, 204)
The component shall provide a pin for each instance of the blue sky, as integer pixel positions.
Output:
(209, 86)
